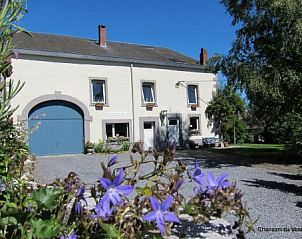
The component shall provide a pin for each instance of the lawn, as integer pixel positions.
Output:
(271, 156)
(281, 147)
(275, 152)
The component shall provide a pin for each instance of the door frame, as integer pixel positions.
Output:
(178, 124)
(179, 117)
(152, 123)
(142, 120)
(23, 118)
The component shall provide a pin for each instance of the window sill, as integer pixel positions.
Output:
(95, 103)
(193, 106)
(149, 105)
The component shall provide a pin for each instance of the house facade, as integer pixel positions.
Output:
(78, 90)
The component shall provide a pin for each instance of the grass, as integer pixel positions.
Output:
(279, 147)
(256, 154)
(257, 150)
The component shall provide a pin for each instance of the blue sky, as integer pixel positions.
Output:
(184, 26)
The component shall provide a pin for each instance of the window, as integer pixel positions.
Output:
(117, 130)
(148, 93)
(98, 91)
(192, 94)
(194, 126)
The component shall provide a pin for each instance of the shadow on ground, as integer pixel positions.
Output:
(203, 158)
(288, 176)
(228, 157)
(299, 204)
(281, 186)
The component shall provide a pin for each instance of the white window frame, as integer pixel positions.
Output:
(113, 129)
(196, 95)
(152, 92)
(104, 91)
(197, 124)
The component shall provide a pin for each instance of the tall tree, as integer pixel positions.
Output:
(225, 111)
(265, 60)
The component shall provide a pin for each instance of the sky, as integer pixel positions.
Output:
(183, 26)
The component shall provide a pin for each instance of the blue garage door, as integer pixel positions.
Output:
(56, 127)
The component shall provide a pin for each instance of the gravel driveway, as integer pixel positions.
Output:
(273, 197)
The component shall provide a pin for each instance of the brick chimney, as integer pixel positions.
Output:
(203, 56)
(102, 36)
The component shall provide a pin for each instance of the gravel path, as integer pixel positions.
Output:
(273, 197)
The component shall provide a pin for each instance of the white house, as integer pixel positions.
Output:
(78, 90)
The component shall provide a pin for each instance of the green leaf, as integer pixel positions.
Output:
(111, 231)
(45, 228)
(6, 221)
(144, 191)
(156, 237)
(47, 197)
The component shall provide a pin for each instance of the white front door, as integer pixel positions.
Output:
(148, 135)
(173, 130)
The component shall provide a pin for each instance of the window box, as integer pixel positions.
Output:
(194, 107)
(99, 105)
(119, 139)
(149, 106)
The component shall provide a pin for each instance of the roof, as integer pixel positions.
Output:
(66, 46)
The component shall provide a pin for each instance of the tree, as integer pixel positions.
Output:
(10, 12)
(225, 111)
(265, 60)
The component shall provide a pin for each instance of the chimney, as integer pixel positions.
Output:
(102, 36)
(203, 56)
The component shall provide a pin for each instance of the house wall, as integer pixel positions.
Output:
(172, 98)
(44, 76)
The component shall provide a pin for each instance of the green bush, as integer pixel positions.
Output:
(125, 146)
(100, 147)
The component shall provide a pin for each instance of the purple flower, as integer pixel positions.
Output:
(78, 207)
(210, 183)
(198, 175)
(160, 213)
(72, 236)
(79, 199)
(80, 192)
(178, 184)
(220, 182)
(103, 209)
(112, 161)
(114, 189)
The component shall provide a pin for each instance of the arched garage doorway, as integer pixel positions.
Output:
(56, 127)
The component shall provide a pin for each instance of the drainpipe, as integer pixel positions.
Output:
(132, 101)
